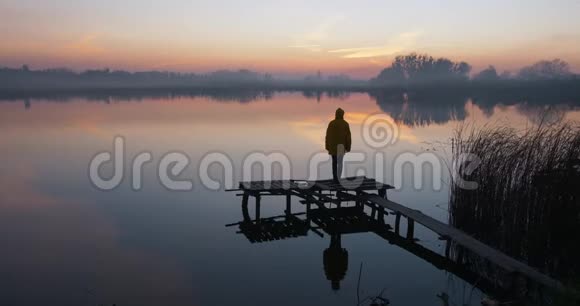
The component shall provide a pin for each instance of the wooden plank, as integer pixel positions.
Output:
(352, 183)
(367, 184)
(269, 185)
(495, 256)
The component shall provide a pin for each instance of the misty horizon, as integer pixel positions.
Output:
(405, 70)
(281, 75)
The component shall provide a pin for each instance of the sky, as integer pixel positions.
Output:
(296, 37)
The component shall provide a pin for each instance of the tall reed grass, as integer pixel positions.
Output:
(527, 202)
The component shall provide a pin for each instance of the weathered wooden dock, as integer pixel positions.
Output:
(366, 192)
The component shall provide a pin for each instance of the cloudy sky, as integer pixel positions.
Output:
(284, 37)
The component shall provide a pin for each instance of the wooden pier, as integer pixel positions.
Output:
(367, 193)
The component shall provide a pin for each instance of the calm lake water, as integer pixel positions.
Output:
(65, 242)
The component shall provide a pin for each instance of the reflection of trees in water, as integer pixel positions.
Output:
(329, 93)
(241, 95)
(440, 104)
(543, 114)
(527, 202)
(419, 105)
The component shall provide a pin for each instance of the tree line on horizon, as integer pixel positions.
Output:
(405, 70)
(421, 68)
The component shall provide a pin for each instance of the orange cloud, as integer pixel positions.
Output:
(404, 41)
(86, 45)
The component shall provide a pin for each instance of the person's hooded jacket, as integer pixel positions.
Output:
(338, 135)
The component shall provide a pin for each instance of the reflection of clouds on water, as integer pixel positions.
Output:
(543, 114)
(313, 130)
(67, 252)
(21, 195)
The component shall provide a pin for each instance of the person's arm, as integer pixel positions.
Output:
(348, 140)
(327, 140)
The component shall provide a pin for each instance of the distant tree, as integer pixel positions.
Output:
(506, 75)
(461, 70)
(546, 70)
(419, 68)
(338, 79)
(316, 78)
(390, 75)
(487, 74)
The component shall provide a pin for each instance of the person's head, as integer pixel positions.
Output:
(339, 113)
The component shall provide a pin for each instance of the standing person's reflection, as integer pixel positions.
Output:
(335, 261)
(338, 142)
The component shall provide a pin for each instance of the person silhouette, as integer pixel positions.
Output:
(338, 142)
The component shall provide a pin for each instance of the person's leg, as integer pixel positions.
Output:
(334, 167)
(339, 166)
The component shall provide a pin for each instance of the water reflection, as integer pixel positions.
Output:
(48, 205)
(340, 217)
(424, 106)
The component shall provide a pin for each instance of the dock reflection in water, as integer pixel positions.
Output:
(335, 213)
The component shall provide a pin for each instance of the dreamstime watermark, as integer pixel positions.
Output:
(379, 131)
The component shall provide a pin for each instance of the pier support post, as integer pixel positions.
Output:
(288, 204)
(257, 207)
(358, 202)
(382, 214)
(383, 193)
(459, 256)
(245, 212)
(397, 222)
(245, 197)
(410, 228)
(373, 211)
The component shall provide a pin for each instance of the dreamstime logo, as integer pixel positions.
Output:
(378, 132)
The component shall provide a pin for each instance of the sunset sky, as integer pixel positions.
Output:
(284, 37)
